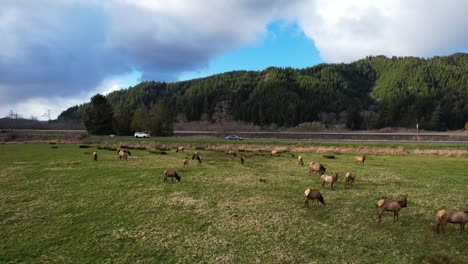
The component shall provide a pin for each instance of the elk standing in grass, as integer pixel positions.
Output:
(242, 159)
(360, 159)
(313, 194)
(349, 178)
(329, 179)
(185, 162)
(300, 161)
(391, 205)
(180, 149)
(274, 153)
(123, 154)
(232, 152)
(317, 168)
(198, 157)
(95, 156)
(171, 174)
(454, 217)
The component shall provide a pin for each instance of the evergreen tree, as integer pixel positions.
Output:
(161, 122)
(98, 116)
(122, 119)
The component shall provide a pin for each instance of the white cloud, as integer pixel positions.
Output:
(349, 30)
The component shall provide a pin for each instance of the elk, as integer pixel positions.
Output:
(391, 205)
(242, 159)
(95, 156)
(313, 194)
(316, 168)
(454, 217)
(195, 155)
(360, 159)
(329, 179)
(123, 154)
(180, 149)
(232, 152)
(185, 162)
(274, 153)
(349, 178)
(171, 174)
(300, 161)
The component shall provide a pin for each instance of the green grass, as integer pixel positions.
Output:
(57, 205)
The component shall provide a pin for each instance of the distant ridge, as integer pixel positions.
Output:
(370, 93)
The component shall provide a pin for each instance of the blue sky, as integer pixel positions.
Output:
(55, 54)
(284, 45)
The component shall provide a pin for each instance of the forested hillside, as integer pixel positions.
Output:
(371, 93)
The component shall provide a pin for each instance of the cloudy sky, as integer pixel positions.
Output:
(58, 53)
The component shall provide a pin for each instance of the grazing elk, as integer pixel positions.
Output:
(317, 168)
(232, 152)
(313, 194)
(95, 156)
(242, 159)
(360, 159)
(454, 217)
(329, 179)
(171, 174)
(185, 162)
(300, 161)
(180, 149)
(349, 178)
(274, 153)
(123, 154)
(391, 205)
(195, 155)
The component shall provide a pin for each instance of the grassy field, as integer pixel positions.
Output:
(57, 205)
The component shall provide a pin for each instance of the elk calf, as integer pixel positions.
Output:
(454, 217)
(171, 174)
(391, 205)
(349, 178)
(242, 159)
(329, 179)
(300, 161)
(185, 162)
(313, 194)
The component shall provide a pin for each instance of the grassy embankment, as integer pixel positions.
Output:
(57, 205)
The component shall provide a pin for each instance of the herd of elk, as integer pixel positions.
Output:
(443, 216)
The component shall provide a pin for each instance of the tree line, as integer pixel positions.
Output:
(371, 93)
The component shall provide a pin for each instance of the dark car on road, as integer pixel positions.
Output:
(233, 137)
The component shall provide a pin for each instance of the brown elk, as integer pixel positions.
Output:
(300, 161)
(360, 159)
(185, 162)
(316, 168)
(391, 205)
(274, 153)
(123, 154)
(180, 149)
(349, 178)
(242, 159)
(454, 217)
(313, 194)
(232, 152)
(195, 155)
(171, 174)
(95, 156)
(329, 179)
